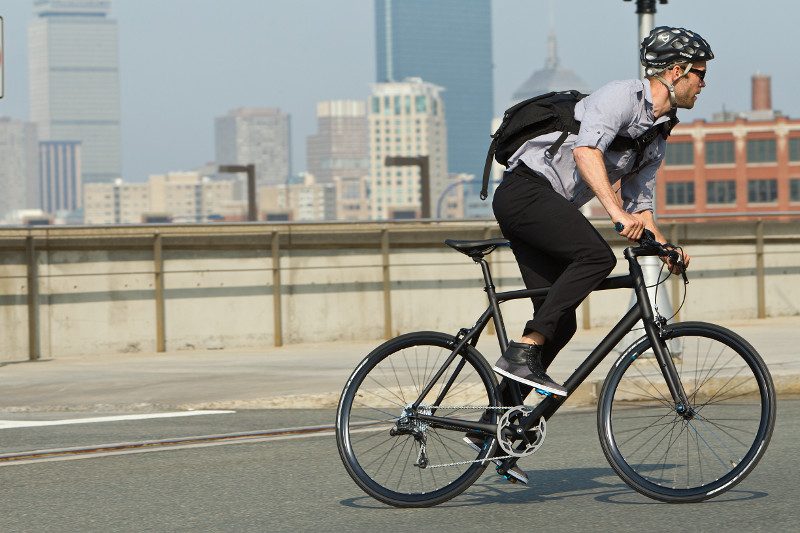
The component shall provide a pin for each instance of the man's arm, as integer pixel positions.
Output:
(593, 171)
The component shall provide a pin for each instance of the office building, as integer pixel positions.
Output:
(74, 81)
(60, 178)
(175, 196)
(405, 119)
(258, 136)
(448, 43)
(352, 198)
(738, 166)
(339, 148)
(301, 200)
(18, 166)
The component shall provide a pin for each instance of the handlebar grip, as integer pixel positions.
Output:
(647, 235)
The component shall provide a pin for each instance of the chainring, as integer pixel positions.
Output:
(510, 421)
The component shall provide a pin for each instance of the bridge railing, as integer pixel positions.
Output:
(84, 290)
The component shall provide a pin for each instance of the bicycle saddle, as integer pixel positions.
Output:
(476, 248)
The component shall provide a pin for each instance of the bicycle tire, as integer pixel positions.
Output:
(396, 368)
(733, 403)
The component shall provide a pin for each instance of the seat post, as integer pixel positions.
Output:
(499, 327)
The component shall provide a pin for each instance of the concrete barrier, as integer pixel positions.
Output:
(93, 290)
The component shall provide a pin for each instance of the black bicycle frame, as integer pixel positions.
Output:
(550, 404)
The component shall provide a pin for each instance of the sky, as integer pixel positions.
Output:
(184, 62)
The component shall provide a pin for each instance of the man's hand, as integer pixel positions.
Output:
(675, 269)
(633, 225)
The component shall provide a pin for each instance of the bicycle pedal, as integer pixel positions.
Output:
(507, 477)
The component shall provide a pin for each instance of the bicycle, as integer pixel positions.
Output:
(684, 414)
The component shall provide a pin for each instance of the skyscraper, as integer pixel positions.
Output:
(449, 43)
(405, 119)
(339, 148)
(258, 136)
(18, 171)
(74, 81)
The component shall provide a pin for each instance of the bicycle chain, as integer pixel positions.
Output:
(473, 407)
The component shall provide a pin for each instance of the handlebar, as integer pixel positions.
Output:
(648, 243)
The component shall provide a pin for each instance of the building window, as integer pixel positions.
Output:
(680, 153)
(680, 193)
(794, 149)
(761, 151)
(762, 191)
(420, 104)
(794, 190)
(719, 152)
(376, 105)
(721, 192)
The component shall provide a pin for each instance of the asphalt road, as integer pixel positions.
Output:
(299, 484)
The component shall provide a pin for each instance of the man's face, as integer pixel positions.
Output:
(688, 87)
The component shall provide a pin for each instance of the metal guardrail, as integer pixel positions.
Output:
(276, 239)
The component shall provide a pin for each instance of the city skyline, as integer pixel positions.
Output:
(173, 87)
(447, 43)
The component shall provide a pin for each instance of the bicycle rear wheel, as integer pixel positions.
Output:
(377, 395)
(674, 454)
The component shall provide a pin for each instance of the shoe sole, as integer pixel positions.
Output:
(516, 475)
(551, 390)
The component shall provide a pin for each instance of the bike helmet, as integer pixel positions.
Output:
(666, 46)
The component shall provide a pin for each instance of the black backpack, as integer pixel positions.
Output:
(547, 113)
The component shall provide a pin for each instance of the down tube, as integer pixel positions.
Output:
(550, 404)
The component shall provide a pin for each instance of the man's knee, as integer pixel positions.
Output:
(601, 257)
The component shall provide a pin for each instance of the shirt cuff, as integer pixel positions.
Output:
(593, 139)
(636, 207)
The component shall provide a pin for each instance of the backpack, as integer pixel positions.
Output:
(548, 113)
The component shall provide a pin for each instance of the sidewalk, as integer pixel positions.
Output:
(295, 376)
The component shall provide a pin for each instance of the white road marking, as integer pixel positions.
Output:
(9, 424)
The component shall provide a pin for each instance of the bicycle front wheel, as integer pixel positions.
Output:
(387, 465)
(687, 453)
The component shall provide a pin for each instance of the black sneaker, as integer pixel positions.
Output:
(515, 474)
(523, 363)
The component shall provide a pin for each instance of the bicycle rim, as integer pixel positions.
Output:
(374, 399)
(671, 457)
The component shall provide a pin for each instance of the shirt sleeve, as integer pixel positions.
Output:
(605, 113)
(637, 190)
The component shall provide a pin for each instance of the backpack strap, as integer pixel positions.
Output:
(487, 168)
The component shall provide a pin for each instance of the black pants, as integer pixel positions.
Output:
(554, 245)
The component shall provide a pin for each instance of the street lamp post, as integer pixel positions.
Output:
(646, 9)
(252, 214)
(421, 161)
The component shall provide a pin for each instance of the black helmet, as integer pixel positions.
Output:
(667, 46)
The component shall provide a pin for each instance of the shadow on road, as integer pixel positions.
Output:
(602, 484)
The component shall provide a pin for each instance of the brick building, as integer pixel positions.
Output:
(736, 164)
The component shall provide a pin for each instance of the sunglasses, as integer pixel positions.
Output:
(699, 73)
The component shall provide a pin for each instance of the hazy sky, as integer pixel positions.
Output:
(183, 62)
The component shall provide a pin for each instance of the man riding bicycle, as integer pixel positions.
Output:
(537, 203)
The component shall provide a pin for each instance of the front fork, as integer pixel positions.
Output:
(653, 326)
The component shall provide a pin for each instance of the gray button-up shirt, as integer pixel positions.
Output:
(620, 107)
